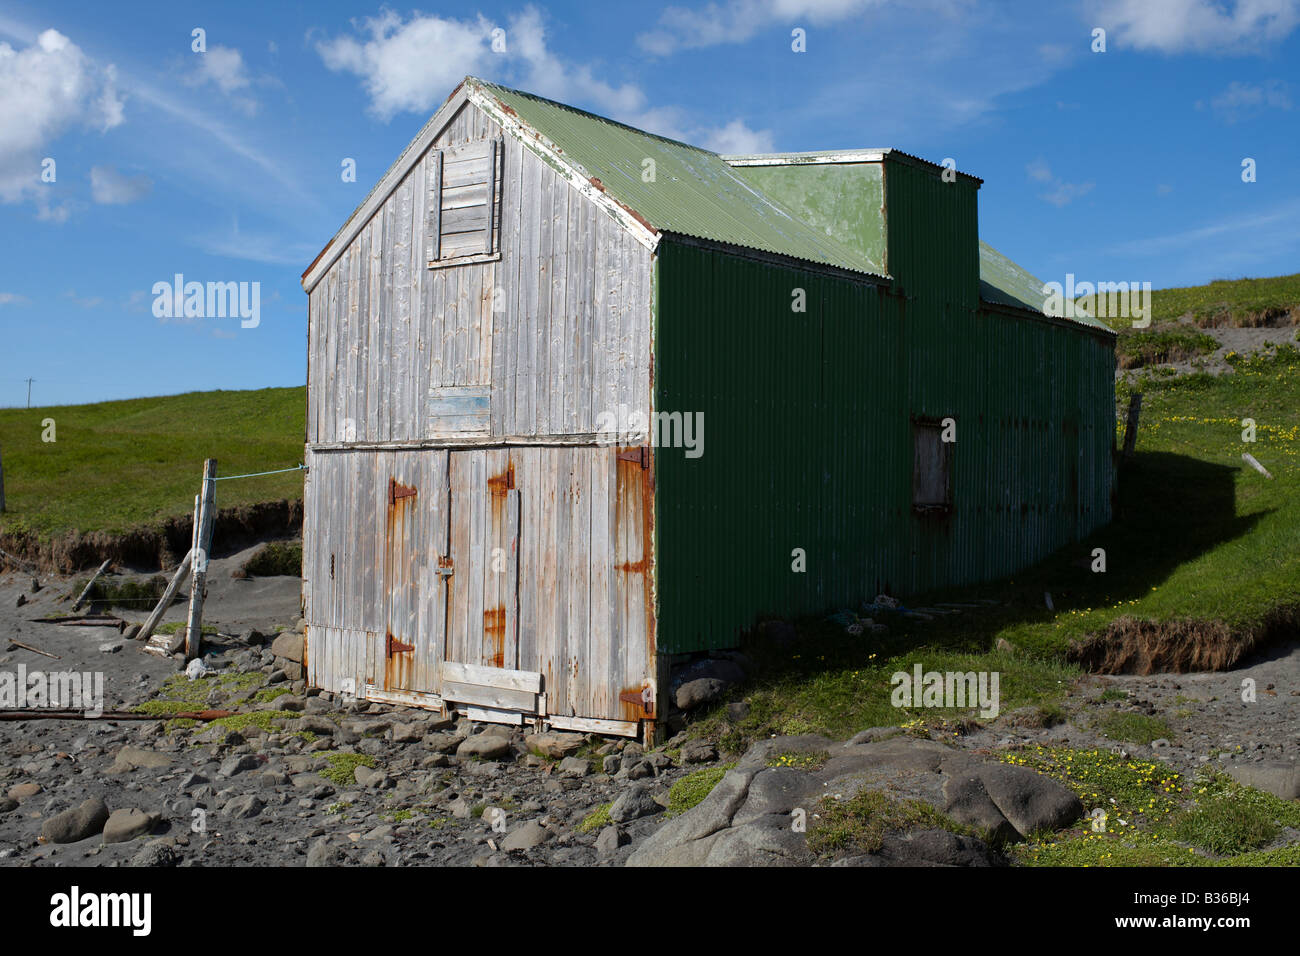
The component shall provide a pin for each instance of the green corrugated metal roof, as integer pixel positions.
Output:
(695, 192)
(1002, 282)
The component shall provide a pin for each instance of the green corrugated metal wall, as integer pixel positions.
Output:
(808, 435)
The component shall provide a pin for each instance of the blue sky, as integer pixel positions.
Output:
(225, 165)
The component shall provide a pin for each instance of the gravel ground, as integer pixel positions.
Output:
(442, 792)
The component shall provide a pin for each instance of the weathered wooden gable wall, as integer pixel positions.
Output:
(559, 328)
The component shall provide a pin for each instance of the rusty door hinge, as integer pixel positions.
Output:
(643, 698)
(445, 567)
(398, 490)
(638, 453)
(394, 646)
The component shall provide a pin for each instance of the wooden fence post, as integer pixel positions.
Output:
(199, 567)
(91, 583)
(1131, 426)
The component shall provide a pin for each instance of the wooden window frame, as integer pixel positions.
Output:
(934, 509)
(433, 209)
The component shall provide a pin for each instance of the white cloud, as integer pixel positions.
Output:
(736, 138)
(737, 21)
(110, 187)
(409, 66)
(1241, 101)
(223, 67)
(88, 302)
(392, 57)
(1181, 26)
(45, 88)
(13, 298)
(1060, 192)
(549, 76)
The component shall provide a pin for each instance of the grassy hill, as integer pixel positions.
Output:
(115, 466)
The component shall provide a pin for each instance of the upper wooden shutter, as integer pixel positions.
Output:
(463, 200)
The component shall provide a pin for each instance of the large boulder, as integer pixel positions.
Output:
(70, 826)
(289, 646)
(127, 824)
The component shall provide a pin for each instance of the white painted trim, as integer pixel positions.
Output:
(543, 147)
(384, 188)
(622, 728)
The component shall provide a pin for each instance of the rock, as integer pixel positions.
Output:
(71, 826)
(238, 764)
(191, 780)
(526, 837)
(8, 804)
(133, 758)
(486, 746)
(156, 853)
(769, 843)
(611, 763)
(365, 776)
(1027, 800)
(698, 751)
(293, 672)
(252, 637)
(737, 711)
(553, 745)
(22, 599)
(610, 839)
(289, 646)
(245, 807)
(1280, 778)
(317, 725)
(127, 824)
(632, 804)
(574, 767)
(937, 848)
(21, 791)
(407, 733)
(132, 630)
(697, 692)
(322, 853)
(112, 647)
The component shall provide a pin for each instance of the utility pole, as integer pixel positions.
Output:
(29, 392)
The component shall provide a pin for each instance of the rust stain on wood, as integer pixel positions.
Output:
(494, 635)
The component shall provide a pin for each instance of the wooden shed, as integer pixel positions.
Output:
(530, 288)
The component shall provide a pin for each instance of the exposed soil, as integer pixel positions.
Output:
(152, 549)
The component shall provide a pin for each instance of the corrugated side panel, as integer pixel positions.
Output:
(808, 442)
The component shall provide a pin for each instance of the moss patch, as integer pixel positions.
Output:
(693, 788)
(859, 824)
(342, 766)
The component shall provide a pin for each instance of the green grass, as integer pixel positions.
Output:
(276, 558)
(597, 819)
(1133, 728)
(1136, 348)
(1235, 302)
(859, 824)
(127, 464)
(1153, 818)
(693, 788)
(342, 766)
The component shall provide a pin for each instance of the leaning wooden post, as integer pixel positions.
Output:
(1131, 426)
(91, 583)
(199, 565)
(161, 609)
